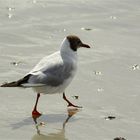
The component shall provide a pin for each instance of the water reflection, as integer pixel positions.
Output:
(54, 136)
(51, 136)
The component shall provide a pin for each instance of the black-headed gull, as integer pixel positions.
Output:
(54, 72)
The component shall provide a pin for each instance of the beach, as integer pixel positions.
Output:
(108, 76)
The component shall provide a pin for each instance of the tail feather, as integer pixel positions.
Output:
(17, 83)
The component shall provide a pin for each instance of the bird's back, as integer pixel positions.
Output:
(47, 62)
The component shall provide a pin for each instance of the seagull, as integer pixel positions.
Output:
(53, 73)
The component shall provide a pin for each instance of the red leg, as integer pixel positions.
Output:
(35, 113)
(69, 103)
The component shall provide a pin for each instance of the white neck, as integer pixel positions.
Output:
(66, 52)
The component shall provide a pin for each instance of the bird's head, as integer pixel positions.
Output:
(75, 42)
(72, 43)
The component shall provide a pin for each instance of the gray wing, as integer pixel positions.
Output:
(53, 76)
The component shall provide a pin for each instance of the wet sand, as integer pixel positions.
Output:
(107, 82)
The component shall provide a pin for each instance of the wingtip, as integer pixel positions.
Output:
(12, 84)
(4, 85)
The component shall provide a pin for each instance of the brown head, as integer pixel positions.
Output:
(76, 43)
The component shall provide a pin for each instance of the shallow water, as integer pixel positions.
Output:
(107, 81)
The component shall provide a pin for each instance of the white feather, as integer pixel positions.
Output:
(66, 56)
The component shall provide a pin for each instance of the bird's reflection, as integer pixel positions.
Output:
(54, 136)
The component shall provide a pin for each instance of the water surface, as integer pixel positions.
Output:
(106, 82)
